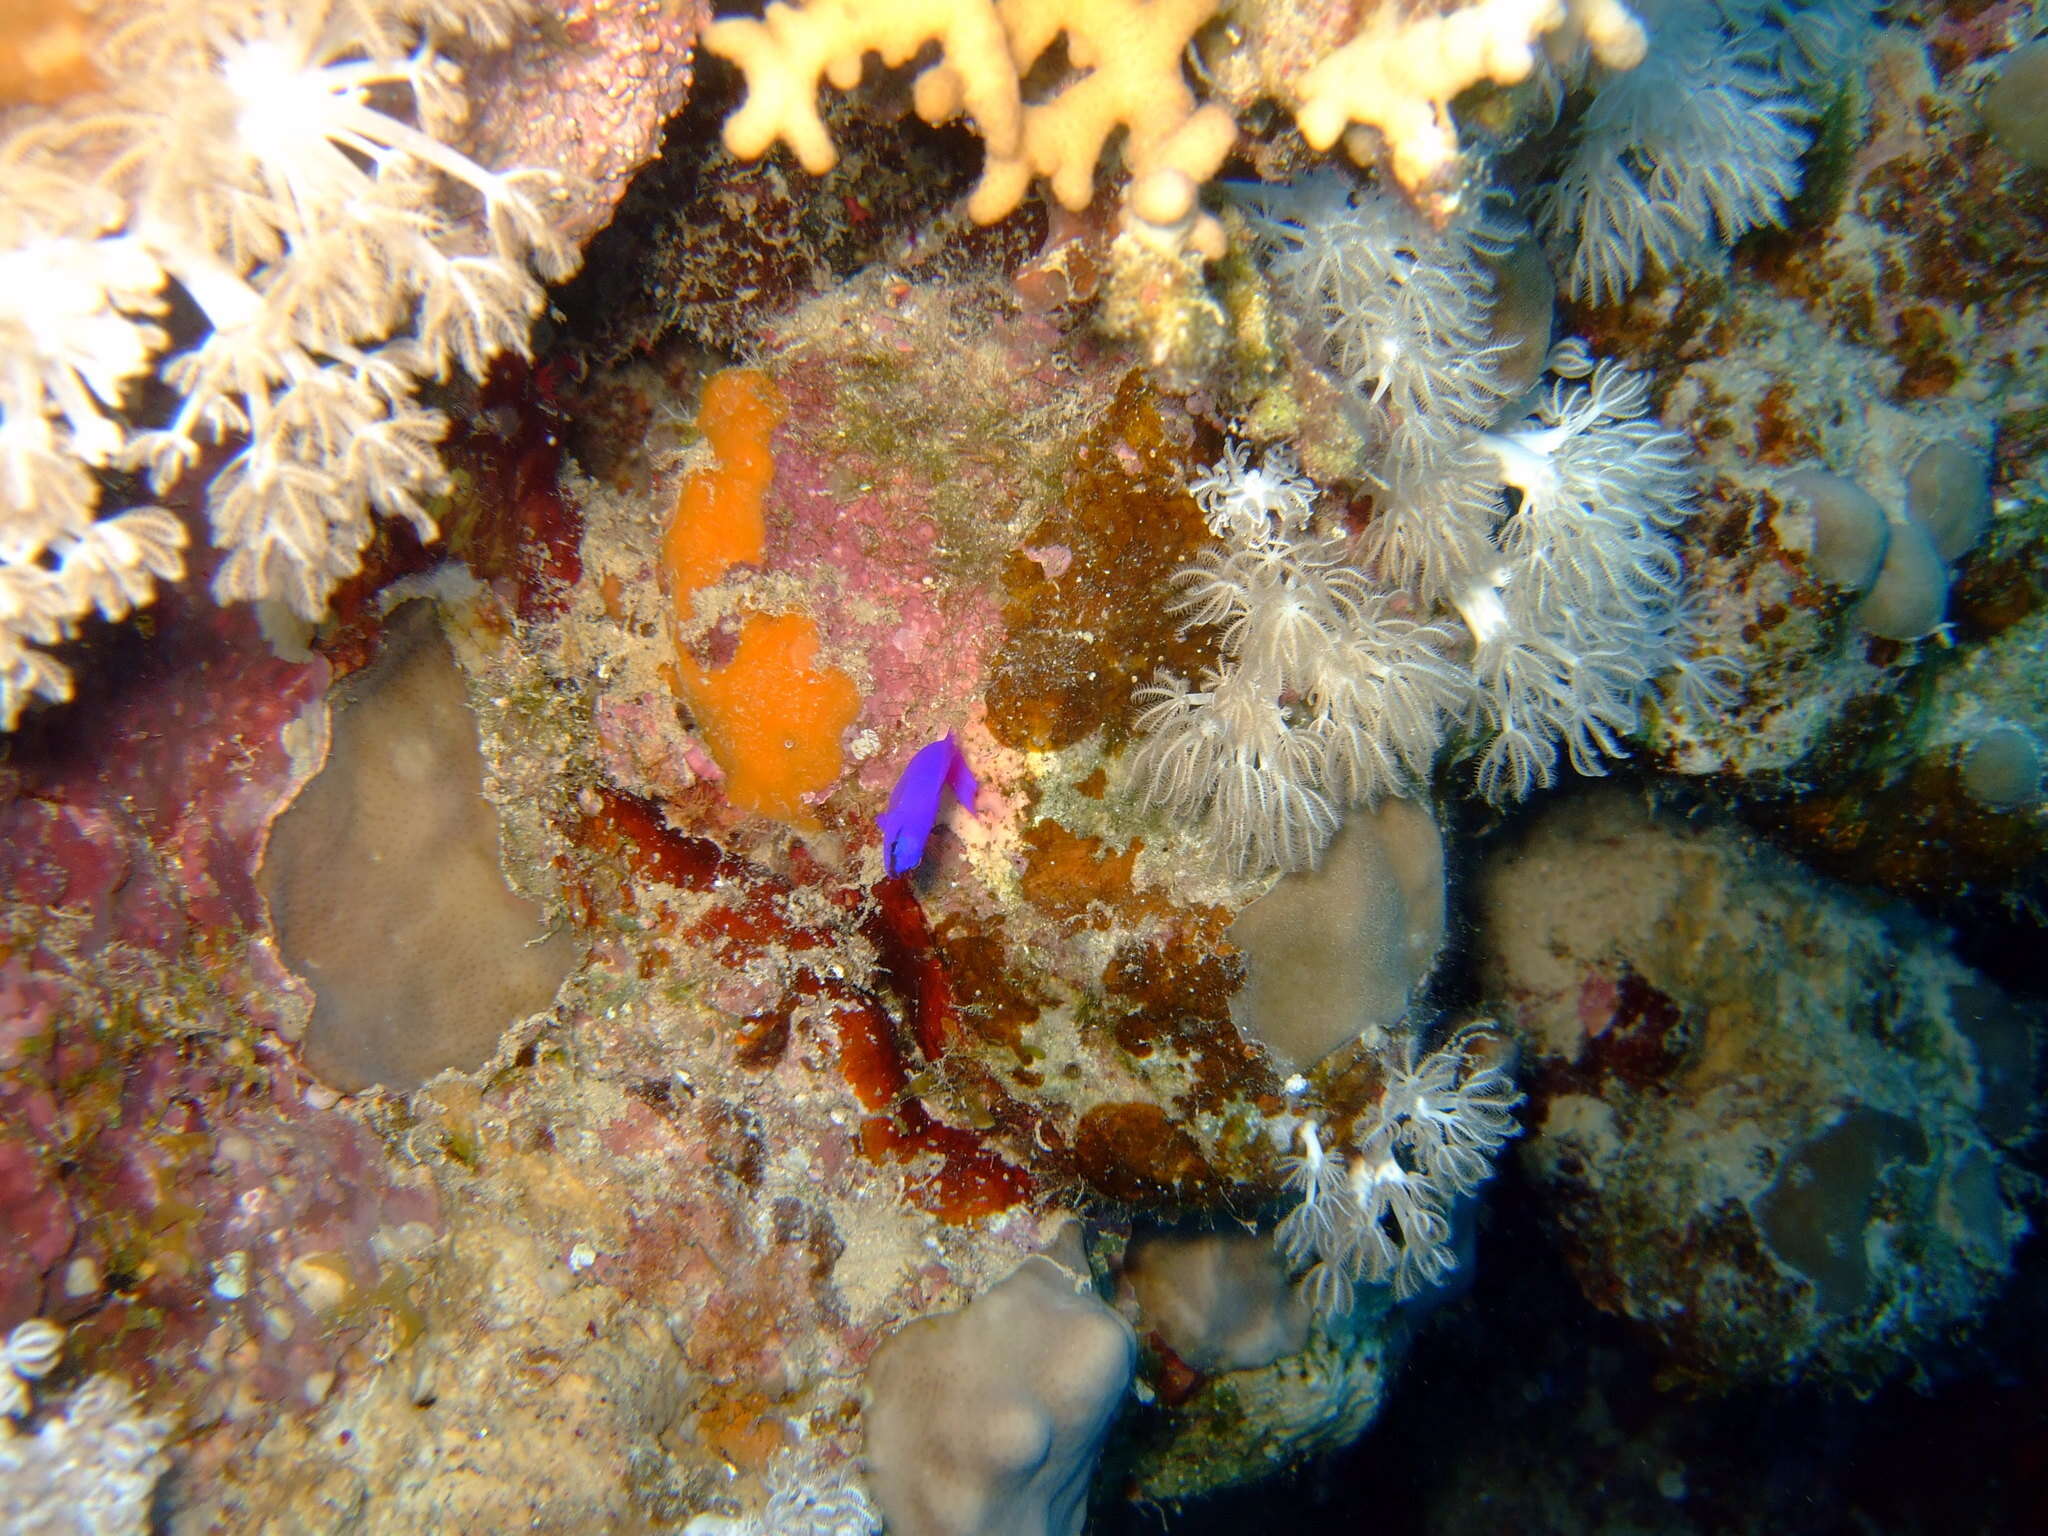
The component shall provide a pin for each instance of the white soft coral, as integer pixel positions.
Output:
(67, 356)
(1400, 311)
(807, 1496)
(289, 167)
(1325, 696)
(1681, 156)
(312, 221)
(1584, 612)
(1550, 538)
(1246, 503)
(1379, 1209)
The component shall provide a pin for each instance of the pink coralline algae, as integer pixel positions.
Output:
(884, 527)
(180, 1202)
(149, 816)
(588, 92)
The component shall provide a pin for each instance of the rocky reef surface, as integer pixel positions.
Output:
(939, 869)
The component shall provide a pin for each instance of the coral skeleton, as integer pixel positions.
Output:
(290, 172)
(1378, 1209)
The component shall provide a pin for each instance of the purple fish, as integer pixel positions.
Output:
(914, 802)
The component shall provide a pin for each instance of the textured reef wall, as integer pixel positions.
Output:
(908, 854)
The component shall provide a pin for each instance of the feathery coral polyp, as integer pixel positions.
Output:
(1380, 1210)
(290, 169)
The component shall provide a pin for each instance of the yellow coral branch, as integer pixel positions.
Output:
(786, 52)
(1131, 52)
(1128, 53)
(1398, 74)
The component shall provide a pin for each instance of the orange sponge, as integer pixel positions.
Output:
(770, 716)
(718, 522)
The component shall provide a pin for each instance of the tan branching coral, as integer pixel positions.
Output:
(1399, 73)
(1131, 52)
(1128, 53)
(786, 52)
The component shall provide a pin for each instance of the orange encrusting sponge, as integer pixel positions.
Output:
(718, 522)
(770, 716)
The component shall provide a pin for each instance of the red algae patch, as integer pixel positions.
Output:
(1133, 1152)
(1067, 875)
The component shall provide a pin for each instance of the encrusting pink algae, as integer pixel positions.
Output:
(958, 768)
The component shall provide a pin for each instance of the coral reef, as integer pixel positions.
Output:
(1773, 1124)
(235, 153)
(914, 855)
(1399, 73)
(586, 90)
(1231, 1430)
(1549, 538)
(2011, 104)
(28, 1354)
(1891, 321)
(1267, 784)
